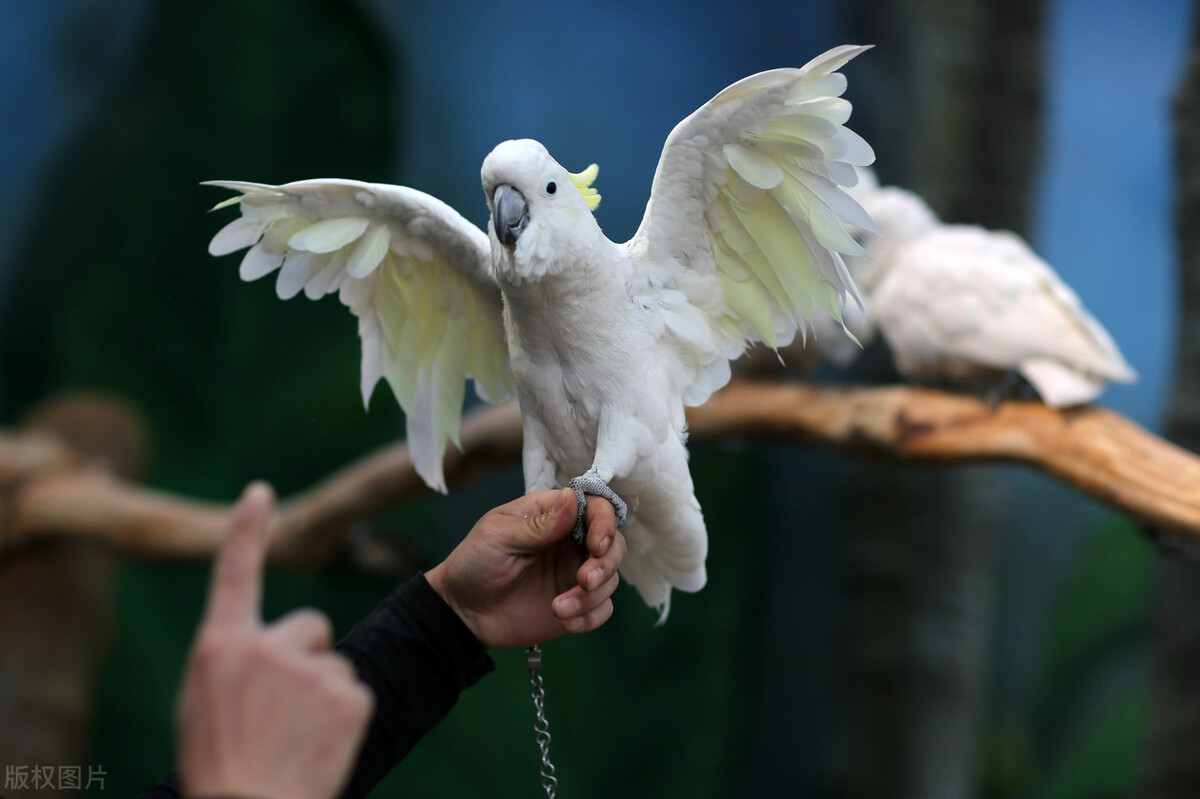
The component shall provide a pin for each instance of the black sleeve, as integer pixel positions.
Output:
(167, 788)
(416, 656)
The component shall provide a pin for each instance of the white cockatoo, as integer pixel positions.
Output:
(603, 343)
(962, 304)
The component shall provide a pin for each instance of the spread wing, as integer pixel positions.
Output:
(412, 270)
(744, 233)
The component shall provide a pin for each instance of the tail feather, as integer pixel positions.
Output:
(1059, 385)
(639, 571)
(665, 553)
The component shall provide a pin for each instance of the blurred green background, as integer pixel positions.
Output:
(800, 669)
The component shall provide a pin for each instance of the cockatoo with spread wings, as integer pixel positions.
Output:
(602, 343)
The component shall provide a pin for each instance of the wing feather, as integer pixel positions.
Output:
(237, 235)
(414, 273)
(747, 217)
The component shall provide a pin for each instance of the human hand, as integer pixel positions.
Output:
(518, 578)
(266, 710)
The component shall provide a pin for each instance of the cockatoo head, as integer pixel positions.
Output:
(900, 216)
(541, 214)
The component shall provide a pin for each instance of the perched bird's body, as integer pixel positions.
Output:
(602, 343)
(965, 305)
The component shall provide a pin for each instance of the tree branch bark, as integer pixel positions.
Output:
(1092, 449)
(47, 491)
(57, 601)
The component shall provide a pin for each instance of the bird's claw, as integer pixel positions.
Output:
(591, 483)
(1012, 386)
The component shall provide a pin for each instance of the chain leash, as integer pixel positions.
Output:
(541, 727)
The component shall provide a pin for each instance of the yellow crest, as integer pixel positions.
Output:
(583, 182)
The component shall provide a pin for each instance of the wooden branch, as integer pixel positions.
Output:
(46, 491)
(56, 495)
(1092, 449)
(57, 602)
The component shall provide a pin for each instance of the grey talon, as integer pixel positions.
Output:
(590, 483)
(579, 534)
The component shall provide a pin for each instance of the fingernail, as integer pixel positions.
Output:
(257, 499)
(258, 491)
(605, 543)
(566, 608)
(569, 492)
(595, 578)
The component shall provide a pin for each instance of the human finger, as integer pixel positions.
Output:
(590, 620)
(577, 602)
(601, 525)
(534, 503)
(598, 569)
(235, 591)
(305, 629)
(540, 518)
(339, 664)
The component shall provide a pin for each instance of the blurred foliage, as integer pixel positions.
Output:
(115, 289)
(1093, 699)
(1089, 711)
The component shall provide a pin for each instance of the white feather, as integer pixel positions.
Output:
(762, 221)
(352, 237)
(329, 235)
(259, 263)
(237, 235)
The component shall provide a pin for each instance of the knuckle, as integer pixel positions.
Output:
(577, 624)
(305, 674)
(600, 615)
(619, 545)
(262, 651)
(362, 701)
(541, 524)
(343, 665)
(610, 587)
(488, 527)
(304, 626)
(318, 621)
(210, 648)
(353, 701)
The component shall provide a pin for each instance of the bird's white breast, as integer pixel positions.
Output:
(579, 352)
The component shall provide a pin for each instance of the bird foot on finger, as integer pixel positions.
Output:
(591, 483)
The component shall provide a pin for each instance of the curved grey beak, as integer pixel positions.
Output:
(510, 214)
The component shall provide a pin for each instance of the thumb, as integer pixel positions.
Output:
(558, 510)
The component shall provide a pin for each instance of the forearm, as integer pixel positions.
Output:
(416, 656)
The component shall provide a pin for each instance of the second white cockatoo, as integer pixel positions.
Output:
(603, 343)
(961, 304)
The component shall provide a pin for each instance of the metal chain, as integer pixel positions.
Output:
(541, 727)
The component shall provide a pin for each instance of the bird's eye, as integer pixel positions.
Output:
(551, 187)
